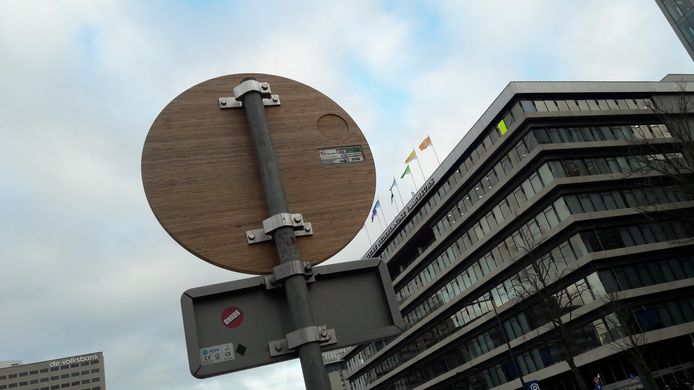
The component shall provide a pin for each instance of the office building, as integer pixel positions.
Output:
(680, 15)
(83, 372)
(336, 369)
(553, 175)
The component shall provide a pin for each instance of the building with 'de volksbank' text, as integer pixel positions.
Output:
(551, 177)
(83, 372)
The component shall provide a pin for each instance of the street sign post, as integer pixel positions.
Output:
(238, 325)
(204, 183)
(248, 199)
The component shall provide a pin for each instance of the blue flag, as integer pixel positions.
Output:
(373, 212)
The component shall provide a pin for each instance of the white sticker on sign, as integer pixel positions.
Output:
(216, 354)
(344, 155)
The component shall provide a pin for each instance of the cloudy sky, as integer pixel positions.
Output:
(84, 265)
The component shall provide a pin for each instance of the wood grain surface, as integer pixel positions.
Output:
(202, 182)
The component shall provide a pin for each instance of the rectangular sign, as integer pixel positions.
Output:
(344, 155)
(228, 326)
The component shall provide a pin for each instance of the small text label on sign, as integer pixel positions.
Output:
(344, 155)
(216, 354)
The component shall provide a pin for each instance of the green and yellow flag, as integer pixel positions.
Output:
(502, 127)
(407, 171)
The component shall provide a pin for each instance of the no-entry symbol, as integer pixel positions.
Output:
(232, 317)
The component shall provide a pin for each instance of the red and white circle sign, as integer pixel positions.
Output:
(232, 317)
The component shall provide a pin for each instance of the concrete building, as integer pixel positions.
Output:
(680, 14)
(83, 372)
(551, 175)
(336, 369)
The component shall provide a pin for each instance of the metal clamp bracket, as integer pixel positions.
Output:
(285, 270)
(300, 337)
(277, 221)
(250, 86)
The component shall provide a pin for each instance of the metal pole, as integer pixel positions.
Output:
(508, 343)
(367, 234)
(315, 377)
(402, 203)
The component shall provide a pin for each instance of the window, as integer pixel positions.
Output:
(586, 203)
(527, 189)
(528, 106)
(570, 168)
(552, 217)
(520, 196)
(551, 106)
(536, 182)
(554, 135)
(597, 201)
(609, 201)
(545, 174)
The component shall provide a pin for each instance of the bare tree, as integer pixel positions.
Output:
(671, 157)
(627, 337)
(536, 282)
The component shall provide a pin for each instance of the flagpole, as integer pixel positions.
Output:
(367, 234)
(425, 144)
(436, 154)
(384, 213)
(392, 197)
(379, 221)
(413, 181)
(402, 203)
(421, 170)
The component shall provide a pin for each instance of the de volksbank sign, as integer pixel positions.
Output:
(75, 359)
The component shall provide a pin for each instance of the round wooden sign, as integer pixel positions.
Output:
(201, 176)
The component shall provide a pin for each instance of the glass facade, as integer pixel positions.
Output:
(550, 217)
(553, 182)
(557, 259)
(680, 14)
(492, 137)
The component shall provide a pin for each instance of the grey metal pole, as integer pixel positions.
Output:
(315, 377)
(508, 342)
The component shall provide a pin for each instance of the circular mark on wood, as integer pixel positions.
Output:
(332, 126)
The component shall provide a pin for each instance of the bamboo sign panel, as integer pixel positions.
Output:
(201, 177)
